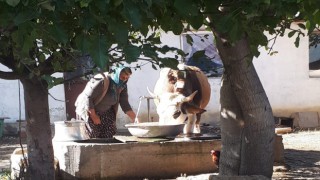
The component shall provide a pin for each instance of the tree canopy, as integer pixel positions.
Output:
(43, 37)
(39, 38)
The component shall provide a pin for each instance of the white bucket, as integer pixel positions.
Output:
(69, 131)
(18, 166)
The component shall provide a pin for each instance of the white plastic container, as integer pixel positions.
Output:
(18, 165)
(69, 131)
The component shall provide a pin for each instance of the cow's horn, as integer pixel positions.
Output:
(190, 97)
(151, 93)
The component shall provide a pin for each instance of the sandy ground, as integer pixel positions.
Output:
(302, 156)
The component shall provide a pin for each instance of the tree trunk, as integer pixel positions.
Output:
(247, 122)
(40, 150)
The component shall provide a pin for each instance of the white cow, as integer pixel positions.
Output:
(181, 96)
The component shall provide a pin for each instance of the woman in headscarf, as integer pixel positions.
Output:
(102, 116)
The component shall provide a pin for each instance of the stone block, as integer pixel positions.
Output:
(252, 177)
(278, 149)
(157, 160)
(19, 167)
(12, 128)
(305, 119)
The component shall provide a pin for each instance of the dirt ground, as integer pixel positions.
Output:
(302, 156)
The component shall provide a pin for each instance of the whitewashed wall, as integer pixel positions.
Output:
(9, 101)
(285, 77)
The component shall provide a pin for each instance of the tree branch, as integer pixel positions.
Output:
(9, 75)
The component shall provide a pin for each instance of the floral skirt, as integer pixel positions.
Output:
(106, 129)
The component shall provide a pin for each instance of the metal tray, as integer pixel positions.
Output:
(154, 129)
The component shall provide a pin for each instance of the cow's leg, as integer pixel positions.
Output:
(189, 127)
(197, 124)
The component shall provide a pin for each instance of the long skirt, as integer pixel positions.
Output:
(106, 129)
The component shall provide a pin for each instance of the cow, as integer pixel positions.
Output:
(181, 96)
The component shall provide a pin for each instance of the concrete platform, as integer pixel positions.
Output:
(101, 160)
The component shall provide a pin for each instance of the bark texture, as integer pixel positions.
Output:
(246, 116)
(40, 150)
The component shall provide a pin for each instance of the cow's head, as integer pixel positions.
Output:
(174, 107)
(178, 79)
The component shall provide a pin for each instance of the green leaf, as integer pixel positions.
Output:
(189, 39)
(85, 3)
(169, 62)
(148, 51)
(166, 22)
(132, 53)
(52, 81)
(154, 67)
(186, 7)
(254, 50)
(131, 12)
(25, 16)
(225, 24)
(98, 50)
(198, 55)
(28, 44)
(82, 43)
(41, 58)
(102, 5)
(87, 21)
(117, 2)
(302, 26)
(297, 41)
(25, 2)
(196, 21)
(235, 32)
(149, 3)
(267, 2)
(58, 34)
(308, 24)
(56, 66)
(290, 34)
(5, 17)
(47, 5)
(120, 31)
(176, 26)
(13, 3)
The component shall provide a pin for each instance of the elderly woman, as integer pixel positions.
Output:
(102, 115)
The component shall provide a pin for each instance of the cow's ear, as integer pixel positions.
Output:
(193, 109)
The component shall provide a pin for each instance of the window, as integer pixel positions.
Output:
(202, 52)
(84, 68)
(314, 54)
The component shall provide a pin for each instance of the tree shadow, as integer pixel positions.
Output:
(302, 164)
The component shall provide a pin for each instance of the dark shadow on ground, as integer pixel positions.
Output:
(301, 163)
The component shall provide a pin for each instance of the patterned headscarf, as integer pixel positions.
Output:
(115, 76)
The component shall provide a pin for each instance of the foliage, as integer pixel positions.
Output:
(39, 38)
(234, 19)
(5, 175)
(314, 40)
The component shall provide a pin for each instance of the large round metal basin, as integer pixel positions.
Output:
(154, 129)
(69, 131)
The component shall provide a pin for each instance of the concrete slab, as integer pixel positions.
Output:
(135, 160)
(12, 128)
(305, 119)
(278, 149)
